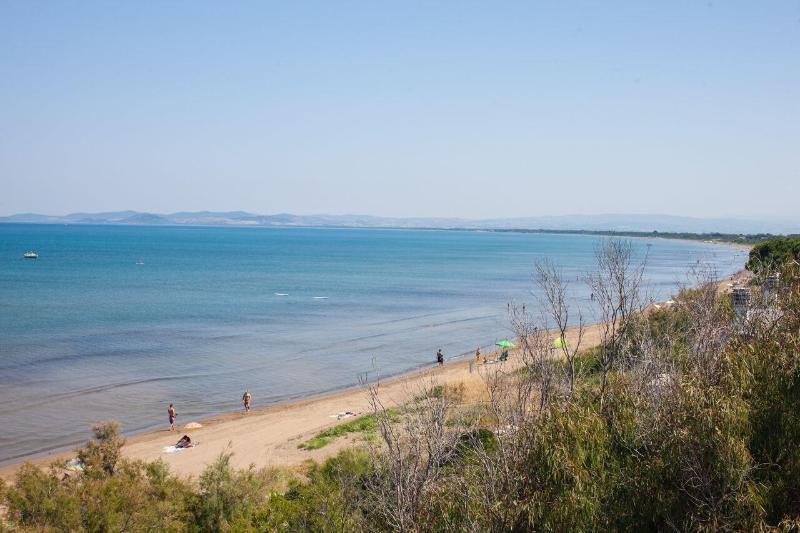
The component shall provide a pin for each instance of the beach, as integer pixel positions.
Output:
(115, 323)
(194, 316)
(270, 436)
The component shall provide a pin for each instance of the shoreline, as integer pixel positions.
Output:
(290, 422)
(268, 436)
(643, 235)
(299, 399)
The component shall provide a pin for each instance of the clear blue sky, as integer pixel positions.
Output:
(473, 109)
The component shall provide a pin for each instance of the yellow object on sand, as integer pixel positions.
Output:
(193, 425)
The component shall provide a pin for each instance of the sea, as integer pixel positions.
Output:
(115, 322)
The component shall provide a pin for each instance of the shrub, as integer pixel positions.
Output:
(110, 495)
(38, 499)
(332, 499)
(100, 456)
(774, 252)
(228, 498)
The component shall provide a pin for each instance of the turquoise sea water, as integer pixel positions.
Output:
(88, 334)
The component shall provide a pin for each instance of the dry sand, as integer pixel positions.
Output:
(270, 436)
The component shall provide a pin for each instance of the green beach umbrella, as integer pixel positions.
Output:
(505, 344)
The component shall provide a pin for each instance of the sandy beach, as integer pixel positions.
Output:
(270, 436)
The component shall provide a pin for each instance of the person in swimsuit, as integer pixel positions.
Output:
(440, 357)
(173, 414)
(246, 399)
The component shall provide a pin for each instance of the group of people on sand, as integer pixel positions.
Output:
(247, 400)
(479, 357)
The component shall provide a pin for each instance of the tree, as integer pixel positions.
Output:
(541, 372)
(774, 253)
(416, 449)
(555, 300)
(100, 456)
(616, 286)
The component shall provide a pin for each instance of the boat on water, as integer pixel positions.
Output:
(30, 254)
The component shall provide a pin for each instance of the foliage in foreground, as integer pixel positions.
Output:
(696, 429)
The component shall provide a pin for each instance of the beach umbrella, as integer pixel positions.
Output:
(74, 465)
(505, 344)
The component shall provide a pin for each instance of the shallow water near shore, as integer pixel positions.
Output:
(115, 322)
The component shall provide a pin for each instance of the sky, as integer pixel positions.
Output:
(464, 109)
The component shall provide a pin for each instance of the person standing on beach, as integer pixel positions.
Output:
(440, 357)
(246, 399)
(173, 415)
(478, 355)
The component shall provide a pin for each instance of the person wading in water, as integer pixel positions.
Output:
(173, 415)
(246, 399)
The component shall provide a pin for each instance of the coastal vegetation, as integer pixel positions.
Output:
(684, 417)
(365, 425)
(557, 226)
(774, 252)
(734, 238)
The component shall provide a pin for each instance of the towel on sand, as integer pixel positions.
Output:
(175, 449)
(344, 414)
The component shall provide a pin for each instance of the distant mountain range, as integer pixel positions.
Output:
(612, 222)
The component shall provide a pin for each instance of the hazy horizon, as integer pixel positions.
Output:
(594, 222)
(450, 110)
(786, 218)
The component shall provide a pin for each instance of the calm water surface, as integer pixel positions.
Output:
(115, 322)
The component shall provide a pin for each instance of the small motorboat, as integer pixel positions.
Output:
(30, 255)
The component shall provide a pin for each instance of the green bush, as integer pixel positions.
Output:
(230, 499)
(333, 498)
(587, 362)
(100, 456)
(774, 252)
(38, 499)
(766, 369)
